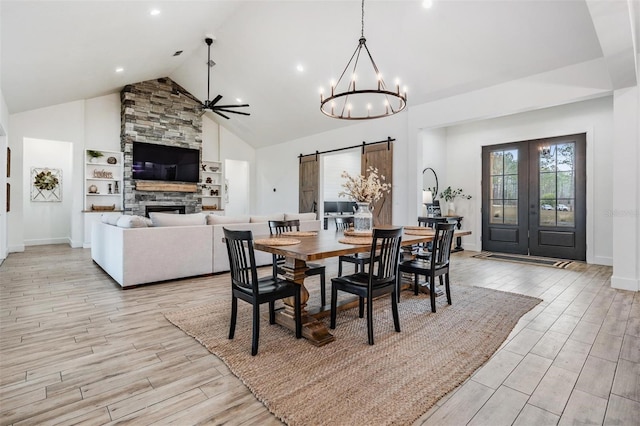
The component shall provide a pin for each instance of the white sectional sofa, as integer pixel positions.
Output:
(135, 250)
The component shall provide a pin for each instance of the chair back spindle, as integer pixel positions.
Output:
(242, 259)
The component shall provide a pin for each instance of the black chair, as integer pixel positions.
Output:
(245, 285)
(381, 278)
(359, 259)
(437, 265)
(424, 251)
(277, 227)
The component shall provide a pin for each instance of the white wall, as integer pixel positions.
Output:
(4, 143)
(65, 122)
(595, 117)
(47, 222)
(210, 140)
(434, 153)
(102, 123)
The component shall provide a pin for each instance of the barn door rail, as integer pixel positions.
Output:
(317, 153)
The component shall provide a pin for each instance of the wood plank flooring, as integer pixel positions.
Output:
(77, 349)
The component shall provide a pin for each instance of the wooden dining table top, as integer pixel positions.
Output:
(326, 244)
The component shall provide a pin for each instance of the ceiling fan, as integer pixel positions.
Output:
(211, 105)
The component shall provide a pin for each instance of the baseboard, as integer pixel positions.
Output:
(76, 244)
(43, 242)
(601, 260)
(86, 245)
(16, 249)
(625, 283)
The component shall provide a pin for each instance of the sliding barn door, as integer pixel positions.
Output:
(380, 156)
(309, 178)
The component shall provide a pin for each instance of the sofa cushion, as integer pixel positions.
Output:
(300, 216)
(213, 219)
(172, 219)
(128, 221)
(260, 219)
(110, 218)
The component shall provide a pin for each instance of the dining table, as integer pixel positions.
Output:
(300, 247)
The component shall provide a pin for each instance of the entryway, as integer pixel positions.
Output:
(534, 197)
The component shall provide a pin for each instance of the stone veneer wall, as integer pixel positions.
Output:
(158, 111)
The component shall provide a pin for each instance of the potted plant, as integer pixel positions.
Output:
(449, 195)
(94, 155)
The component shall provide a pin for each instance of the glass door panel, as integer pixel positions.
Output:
(504, 186)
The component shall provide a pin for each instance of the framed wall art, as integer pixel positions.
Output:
(46, 184)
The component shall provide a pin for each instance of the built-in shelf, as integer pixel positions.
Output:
(212, 178)
(100, 175)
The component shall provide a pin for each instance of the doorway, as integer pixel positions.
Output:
(534, 197)
(236, 188)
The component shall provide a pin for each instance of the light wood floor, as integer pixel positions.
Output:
(77, 349)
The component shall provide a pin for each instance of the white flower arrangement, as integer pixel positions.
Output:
(364, 190)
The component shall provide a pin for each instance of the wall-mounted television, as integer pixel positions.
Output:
(165, 163)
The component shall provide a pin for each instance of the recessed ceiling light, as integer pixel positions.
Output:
(300, 68)
(154, 12)
(119, 69)
(239, 100)
(427, 4)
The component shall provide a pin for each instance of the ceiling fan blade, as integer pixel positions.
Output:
(232, 106)
(220, 114)
(231, 111)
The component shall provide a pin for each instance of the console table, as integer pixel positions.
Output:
(456, 219)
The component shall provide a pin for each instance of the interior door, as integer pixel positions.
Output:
(534, 197)
(308, 184)
(380, 156)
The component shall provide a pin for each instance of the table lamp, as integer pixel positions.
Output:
(427, 199)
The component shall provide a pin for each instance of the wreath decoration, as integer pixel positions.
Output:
(46, 180)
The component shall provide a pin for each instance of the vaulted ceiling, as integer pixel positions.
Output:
(59, 51)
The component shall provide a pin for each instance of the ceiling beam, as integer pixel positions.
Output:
(613, 22)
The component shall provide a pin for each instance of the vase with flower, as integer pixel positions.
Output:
(364, 191)
(450, 195)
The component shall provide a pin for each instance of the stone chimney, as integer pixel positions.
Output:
(162, 112)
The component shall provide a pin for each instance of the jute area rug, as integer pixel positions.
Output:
(349, 382)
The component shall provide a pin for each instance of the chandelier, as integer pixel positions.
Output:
(362, 96)
(211, 105)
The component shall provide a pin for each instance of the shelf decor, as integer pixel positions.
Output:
(46, 184)
(94, 155)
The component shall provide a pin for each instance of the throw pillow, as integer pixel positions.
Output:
(110, 218)
(300, 216)
(261, 219)
(128, 221)
(213, 219)
(171, 219)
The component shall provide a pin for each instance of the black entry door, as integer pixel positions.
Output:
(534, 197)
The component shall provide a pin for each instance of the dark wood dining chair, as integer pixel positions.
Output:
(359, 259)
(424, 251)
(381, 278)
(277, 227)
(246, 285)
(436, 266)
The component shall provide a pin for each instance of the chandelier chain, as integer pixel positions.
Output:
(362, 21)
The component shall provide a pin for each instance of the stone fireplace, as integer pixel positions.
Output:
(158, 111)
